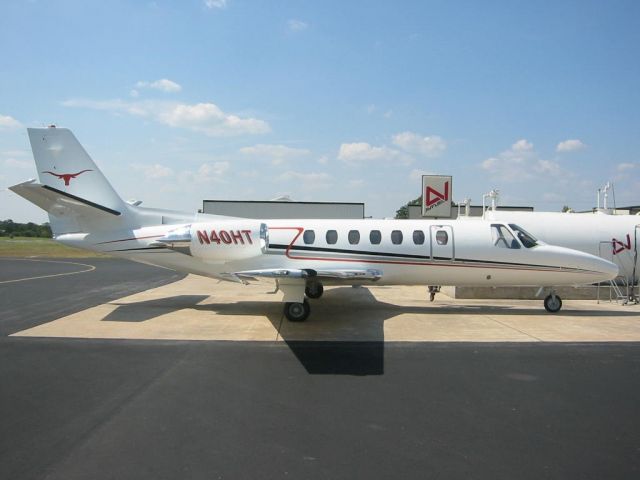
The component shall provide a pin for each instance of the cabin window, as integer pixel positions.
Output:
(502, 237)
(375, 237)
(309, 236)
(442, 237)
(396, 237)
(332, 237)
(525, 237)
(418, 237)
(354, 237)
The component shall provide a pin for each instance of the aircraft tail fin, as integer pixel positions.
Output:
(72, 188)
(66, 168)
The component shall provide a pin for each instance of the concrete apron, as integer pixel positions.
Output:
(198, 308)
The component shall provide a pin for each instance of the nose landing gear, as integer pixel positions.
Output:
(552, 303)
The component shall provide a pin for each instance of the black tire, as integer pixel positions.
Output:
(297, 312)
(553, 303)
(314, 290)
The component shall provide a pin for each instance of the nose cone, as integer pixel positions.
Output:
(608, 269)
(590, 268)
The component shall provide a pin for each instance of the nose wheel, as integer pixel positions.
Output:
(552, 303)
(296, 311)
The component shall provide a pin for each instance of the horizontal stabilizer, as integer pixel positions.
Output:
(62, 204)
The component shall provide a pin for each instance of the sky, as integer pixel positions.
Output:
(180, 101)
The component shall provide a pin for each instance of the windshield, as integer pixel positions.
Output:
(502, 237)
(525, 237)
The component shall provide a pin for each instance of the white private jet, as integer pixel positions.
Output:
(300, 255)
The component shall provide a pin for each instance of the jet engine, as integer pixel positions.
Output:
(222, 241)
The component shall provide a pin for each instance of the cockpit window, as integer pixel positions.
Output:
(525, 237)
(502, 237)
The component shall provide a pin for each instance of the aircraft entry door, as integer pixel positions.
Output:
(442, 246)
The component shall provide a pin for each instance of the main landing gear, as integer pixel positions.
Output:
(299, 311)
(296, 311)
(314, 290)
(433, 289)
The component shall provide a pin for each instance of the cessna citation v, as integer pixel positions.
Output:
(300, 255)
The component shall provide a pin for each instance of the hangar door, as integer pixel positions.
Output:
(442, 247)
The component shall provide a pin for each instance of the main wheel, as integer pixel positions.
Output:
(553, 303)
(297, 312)
(314, 290)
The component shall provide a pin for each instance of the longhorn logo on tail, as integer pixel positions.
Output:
(67, 176)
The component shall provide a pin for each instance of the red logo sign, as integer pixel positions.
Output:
(618, 246)
(67, 176)
(433, 197)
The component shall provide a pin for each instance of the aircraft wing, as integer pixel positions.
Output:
(332, 275)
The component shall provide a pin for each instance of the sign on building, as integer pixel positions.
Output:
(436, 196)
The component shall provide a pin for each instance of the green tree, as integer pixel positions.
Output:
(403, 212)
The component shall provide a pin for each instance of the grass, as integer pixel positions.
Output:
(40, 247)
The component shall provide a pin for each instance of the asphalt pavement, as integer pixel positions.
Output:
(151, 409)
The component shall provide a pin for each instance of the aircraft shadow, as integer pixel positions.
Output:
(149, 309)
(345, 332)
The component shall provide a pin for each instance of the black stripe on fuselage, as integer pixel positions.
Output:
(141, 249)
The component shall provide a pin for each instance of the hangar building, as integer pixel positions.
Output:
(283, 209)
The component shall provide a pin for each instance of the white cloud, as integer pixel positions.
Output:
(207, 118)
(215, 4)
(414, 143)
(416, 174)
(520, 163)
(276, 154)
(312, 180)
(7, 121)
(323, 160)
(547, 167)
(153, 172)
(16, 153)
(13, 163)
(307, 177)
(522, 145)
(358, 152)
(356, 183)
(297, 25)
(622, 167)
(570, 146)
(164, 85)
(208, 171)
(206, 174)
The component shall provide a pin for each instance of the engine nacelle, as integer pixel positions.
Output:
(228, 240)
(222, 241)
